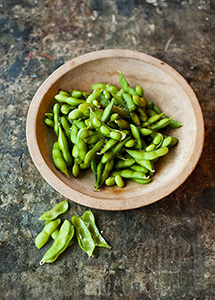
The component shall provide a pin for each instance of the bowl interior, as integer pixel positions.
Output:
(161, 84)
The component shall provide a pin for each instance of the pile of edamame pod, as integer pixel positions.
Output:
(116, 133)
(87, 233)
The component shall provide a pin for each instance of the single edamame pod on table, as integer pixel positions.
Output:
(57, 210)
(83, 235)
(89, 221)
(60, 244)
(55, 233)
(43, 237)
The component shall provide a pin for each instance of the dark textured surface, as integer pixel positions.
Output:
(166, 250)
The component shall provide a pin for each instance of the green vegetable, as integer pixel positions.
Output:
(57, 210)
(43, 237)
(108, 129)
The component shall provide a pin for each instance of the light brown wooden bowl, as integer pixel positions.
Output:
(162, 84)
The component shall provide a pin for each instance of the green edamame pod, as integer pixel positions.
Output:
(123, 124)
(120, 164)
(139, 101)
(69, 100)
(83, 234)
(55, 233)
(167, 141)
(82, 147)
(85, 108)
(135, 118)
(125, 85)
(90, 223)
(64, 93)
(49, 122)
(60, 244)
(155, 118)
(139, 168)
(119, 181)
(150, 112)
(76, 94)
(93, 166)
(130, 143)
(107, 111)
(114, 117)
(139, 155)
(66, 108)
(75, 169)
(64, 147)
(174, 124)
(142, 181)
(110, 181)
(66, 125)
(99, 172)
(75, 151)
(56, 110)
(110, 143)
(43, 237)
(79, 123)
(57, 210)
(145, 131)
(107, 168)
(139, 91)
(113, 151)
(106, 95)
(119, 100)
(93, 139)
(92, 153)
(98, 85)
(74, 133)
(94, 96)
(150, 147)
(146, 164)
(129, 173)
(173, 142)
(161, 124)
(50, 115)
(142, 114)
(58, 159)
(75, 114)
(129, 102)
(136, 135)
(111, 88)
(121, 111)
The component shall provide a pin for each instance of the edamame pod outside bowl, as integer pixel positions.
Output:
(162, 84)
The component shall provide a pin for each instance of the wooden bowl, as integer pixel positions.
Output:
(162, 84)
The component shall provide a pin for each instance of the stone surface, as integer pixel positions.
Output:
(163, 251)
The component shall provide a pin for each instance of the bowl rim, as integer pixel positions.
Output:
(86, 200)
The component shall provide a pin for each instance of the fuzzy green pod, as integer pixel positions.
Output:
(57, 210)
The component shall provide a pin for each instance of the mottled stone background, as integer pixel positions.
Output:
(165, 250)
